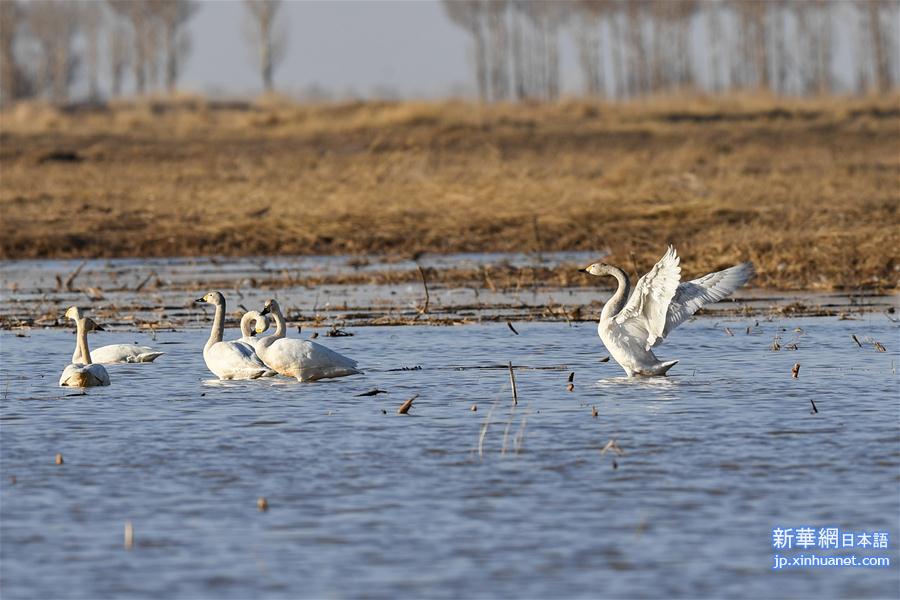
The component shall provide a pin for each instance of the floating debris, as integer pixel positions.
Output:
(879, 347)
(404, 408)
(511, 328)
(572, 377)
(776, 344)
(795, 371)
(855, 339)
(791, 346)
(12, 480)
(474, 408)
(129, 535)
(262, 504)
(59, 459)
(314, 335)
(336, 332)
(729, 331)
(612, 446)
(814, 409)
(604, 359)
(372, 392)
(594, 412)
(570, 387)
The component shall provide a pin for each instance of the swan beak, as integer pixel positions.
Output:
(582, 270)
(98, 327)
(264, 311)
(199, 300)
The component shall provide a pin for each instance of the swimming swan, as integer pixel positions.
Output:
(305, 360)
(113, 353)
(88, 374)
(229, 360)
(631, 326)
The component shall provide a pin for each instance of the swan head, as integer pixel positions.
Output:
(597, 269)
(215, 298)
(92, 325)
(271, 306)
(74, 313)
(262, 323)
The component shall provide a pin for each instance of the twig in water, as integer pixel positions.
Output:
(59, 459)
(144, 281)
(729, 332)
(594, 412)
(262, 504)
(572, 377)
(129, 535)
(795, 371)
(855, 339)
(404, 408)
(372, 392)
(879, 347)
(512, 383)
(71, 278)
(484, 428)
(511, 328)
(604, 359)
(424, 309)
(814, 410)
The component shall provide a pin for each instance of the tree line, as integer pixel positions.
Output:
(625, 48)
(630, 48)
(47, 45)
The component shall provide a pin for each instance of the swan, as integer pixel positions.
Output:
(631, 326)
(113, 353)
(249, 335)
(88, 374)
(229, 360)
(305, 360)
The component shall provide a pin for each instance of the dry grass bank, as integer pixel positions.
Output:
(807, 190)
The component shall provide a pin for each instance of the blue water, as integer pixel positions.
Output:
(365, 502)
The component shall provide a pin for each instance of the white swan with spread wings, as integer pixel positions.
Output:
(630, 326)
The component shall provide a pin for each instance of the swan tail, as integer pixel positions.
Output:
(658, 369)
(148, 357)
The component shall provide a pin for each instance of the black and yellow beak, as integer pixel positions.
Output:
(199, 300)
(582, 270)
(264, 311)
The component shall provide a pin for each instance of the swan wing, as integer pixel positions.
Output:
(78, 375)
(233, 358)
(693, 295)
(307, 360)
(644, 316)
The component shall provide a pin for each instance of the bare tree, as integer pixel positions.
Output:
(92, 19)
(469, 14)
(118, 53)
(53, 26)
(269, 39)
(173, 15)
(138, 15)
(13, 81)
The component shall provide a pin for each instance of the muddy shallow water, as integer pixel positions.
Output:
(504, 501)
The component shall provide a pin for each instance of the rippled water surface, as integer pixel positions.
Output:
(365, 502)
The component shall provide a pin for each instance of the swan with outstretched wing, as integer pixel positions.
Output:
(631, 325)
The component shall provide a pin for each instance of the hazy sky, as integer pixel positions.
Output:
(342, 45)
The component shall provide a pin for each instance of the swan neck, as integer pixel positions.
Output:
(279, 323)
(218, 326)
(81, 343)
(618, 300)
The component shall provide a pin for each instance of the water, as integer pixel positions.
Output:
(365, 502)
